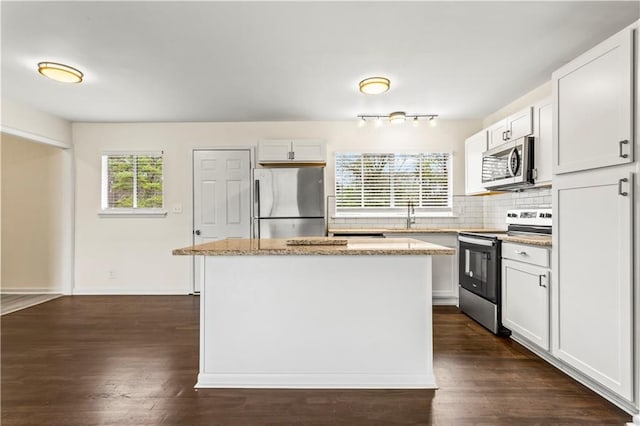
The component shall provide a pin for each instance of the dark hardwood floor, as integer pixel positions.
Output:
(133, 360)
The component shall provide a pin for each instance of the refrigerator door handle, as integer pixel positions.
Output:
(256, 209)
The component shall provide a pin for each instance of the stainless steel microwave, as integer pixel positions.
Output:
(509, 166)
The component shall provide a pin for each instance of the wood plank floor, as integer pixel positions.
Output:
(133, 360)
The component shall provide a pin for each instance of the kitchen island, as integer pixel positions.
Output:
(356, 315)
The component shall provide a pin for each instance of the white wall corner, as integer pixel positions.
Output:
(539, 93)
(27, 122)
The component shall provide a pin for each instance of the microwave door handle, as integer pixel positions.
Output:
(510, 161)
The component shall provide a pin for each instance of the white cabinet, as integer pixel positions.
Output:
(291, 151)
(543, 140)
(593, 105)
(525, 292)
(594, 199)
(473, 149)
(593, 267)
(445, 268)
(511, 128)
(274, 151)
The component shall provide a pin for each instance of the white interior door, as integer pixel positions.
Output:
(221, 199)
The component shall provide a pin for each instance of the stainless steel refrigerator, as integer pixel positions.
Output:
(288, 202)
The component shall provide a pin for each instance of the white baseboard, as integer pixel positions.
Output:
(31, 290)
(317, 381)
(578, 376)
(134, 291)
(444, 301)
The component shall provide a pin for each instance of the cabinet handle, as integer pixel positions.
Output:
(540, 280)
(521, 253)
(504, 136)
(620, 191)
(293, 155)
(508, 132)
(624, 142)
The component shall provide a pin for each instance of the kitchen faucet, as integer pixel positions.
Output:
(411, 214)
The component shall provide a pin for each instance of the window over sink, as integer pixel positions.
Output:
(383, 184)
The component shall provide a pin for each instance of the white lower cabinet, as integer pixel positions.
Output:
(525, 301)
(445, 268)
(593, 267)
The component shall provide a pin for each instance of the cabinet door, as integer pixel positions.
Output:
(473, 149)
(543, 140)
(593, 107)
(274, 151)
(592, 269)
(525, 301)
(496, 134)
(311, 151)
(520, 124)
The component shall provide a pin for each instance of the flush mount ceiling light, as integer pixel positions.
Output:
(397, 117)
(374, 85)
(60, 72)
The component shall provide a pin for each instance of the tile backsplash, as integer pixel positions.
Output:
(468, 212)
(496, 206)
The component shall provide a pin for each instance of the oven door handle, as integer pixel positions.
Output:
(477, 241)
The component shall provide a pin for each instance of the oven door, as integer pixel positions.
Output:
(478, 266)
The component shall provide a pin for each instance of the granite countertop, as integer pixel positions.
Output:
(542, 240)
(356, 231)
(356, 246)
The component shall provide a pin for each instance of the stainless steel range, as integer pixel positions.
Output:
(480, 265)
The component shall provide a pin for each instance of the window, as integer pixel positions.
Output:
(384, 183)
(132, 182)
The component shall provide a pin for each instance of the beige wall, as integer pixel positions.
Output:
(32, 216)
(17, 117)
(537, 94)
(138, 250)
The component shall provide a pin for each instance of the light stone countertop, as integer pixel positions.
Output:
(279, 247)
(543, 240)
(356, 231)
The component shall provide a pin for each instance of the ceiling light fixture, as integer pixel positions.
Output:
(397, 117)
(60, 72)
(374, 85)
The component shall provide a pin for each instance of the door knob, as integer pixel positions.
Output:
(197, 232)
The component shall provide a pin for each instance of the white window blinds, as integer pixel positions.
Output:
(132, 181)
(387, 181)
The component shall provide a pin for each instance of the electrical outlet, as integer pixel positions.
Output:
(111, 275)
(177, 208)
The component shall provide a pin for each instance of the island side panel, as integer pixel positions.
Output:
(317, 322)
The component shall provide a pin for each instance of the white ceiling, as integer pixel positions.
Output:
(292, 61)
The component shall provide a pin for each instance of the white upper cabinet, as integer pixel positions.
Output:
(473, 149)
(543, 140)
(496, 134)
(593, 107)
(511, 128)
(520, 124)
(274, 151)
(311, 151)
(291, 151)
